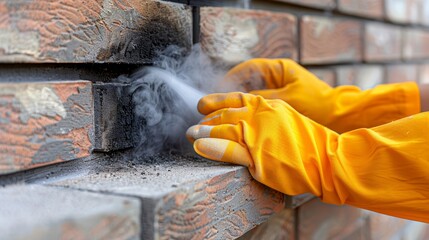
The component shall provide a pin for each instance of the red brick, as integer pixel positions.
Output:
(325, 74)
(382, 42)
(233, 35)
(403, 11)
(91, 31)
(327, 40)
(415, 44)
(366, 8)
(44, 123)
(279, 226)
(322, 221)
(364, 76)
(324, 4)
(401, 73)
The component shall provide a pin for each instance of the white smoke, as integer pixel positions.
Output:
(165, 98)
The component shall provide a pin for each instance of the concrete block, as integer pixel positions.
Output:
(363, 76)
(234, 35)
(415, 44)
(44, 123)
(91, 31)
(113, 117)
(182, 196)
(382, 42)
(401, 73)
(323, 4)
(39, 212)
(330, 40)
(364, 8)
(317, 220)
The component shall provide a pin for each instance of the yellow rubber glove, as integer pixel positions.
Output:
(342, 109)
(384, 169)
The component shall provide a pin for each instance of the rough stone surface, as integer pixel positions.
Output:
(328, 40)
(382, 42)
(39, 212)
(364, 76)
(44, 123)
(113, 115)
(91, 31)
(365, 8)
(234, 35)
(183, 196)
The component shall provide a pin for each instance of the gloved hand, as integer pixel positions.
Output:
(342, 108)
(383, 169)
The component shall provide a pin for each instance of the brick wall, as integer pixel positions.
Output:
(66, 128)
(343, 42)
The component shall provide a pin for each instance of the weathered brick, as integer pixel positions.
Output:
(183, 197)
(91, 31)
(401, 73)
(328, 40)
(325, 74)
(324, 4)
(423, 73)
(322, 221)
(403, 11)
(44, 123)
(382, 42)
(38, 212)
(234, 35)
(415, 44)
(113, 116)
(425, 13)
(364, 76)
(384, 226)
(279, 226)
(366, 8)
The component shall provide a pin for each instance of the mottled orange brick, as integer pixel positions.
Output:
(366, 8)
(382, 42)
(234, 35)
(91, 31)
(44, 123)
(330, 40)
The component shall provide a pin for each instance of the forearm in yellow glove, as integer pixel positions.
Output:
(384, 169)
(342, 108)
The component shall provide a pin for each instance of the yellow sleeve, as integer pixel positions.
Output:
(383, 169)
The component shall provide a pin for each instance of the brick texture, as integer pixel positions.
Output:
(90, 31)
(423, 72)
(38, 212)
(366, 8)
(232, 36)
(322, 221)
(415, 44)
(44, 123)
(403, 11)
(382, 42)
(365, 77)
(401, 73)
(324, 4)
(327, 40)
(325, 74)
